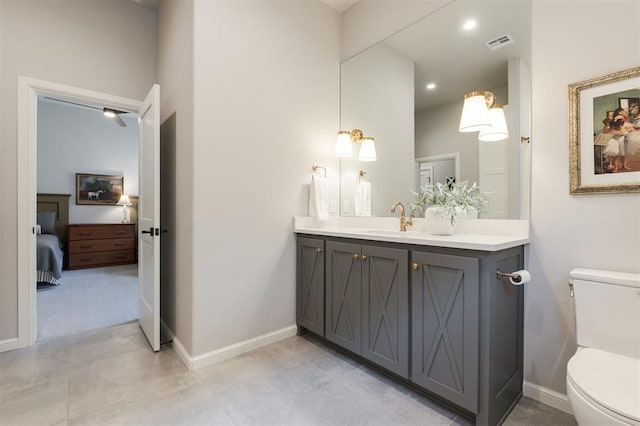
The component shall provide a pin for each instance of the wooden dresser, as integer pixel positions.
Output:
(95, 245)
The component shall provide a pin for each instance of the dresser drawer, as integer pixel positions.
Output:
(99, 232)
(105, 258)
(87, 246)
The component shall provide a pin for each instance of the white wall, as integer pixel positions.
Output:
(77, 140)
(377, 91)
(102, 46)
(368, 22)
(175, 75)
(266, 108)
(568, 231)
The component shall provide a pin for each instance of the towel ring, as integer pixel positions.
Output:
(315, 167)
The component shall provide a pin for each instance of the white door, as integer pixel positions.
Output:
(149, 218)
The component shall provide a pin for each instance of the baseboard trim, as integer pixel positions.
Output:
(547, 396)
(219, 355)
(9, 344)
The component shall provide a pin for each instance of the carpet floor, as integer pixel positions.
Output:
(88, 299)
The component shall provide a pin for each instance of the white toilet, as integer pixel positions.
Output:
(603, 377)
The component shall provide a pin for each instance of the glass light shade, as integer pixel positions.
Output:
(498, 129)
(475, 114)
(343, 145)
(367, 150)
(124, 201)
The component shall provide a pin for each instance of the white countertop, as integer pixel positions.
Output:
(478, 234)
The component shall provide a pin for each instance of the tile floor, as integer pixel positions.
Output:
(111, 377)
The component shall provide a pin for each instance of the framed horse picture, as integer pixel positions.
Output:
(98, 190)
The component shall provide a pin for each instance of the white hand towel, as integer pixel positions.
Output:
(319, 197)
(363, 199)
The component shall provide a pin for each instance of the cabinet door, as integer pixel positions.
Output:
(344, 295)
(310, 285)
(444, 303)
(385, 308)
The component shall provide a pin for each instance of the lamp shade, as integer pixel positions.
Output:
(367, 150)
(475, 113)
(498, 129)
(343, 145)
(124, 201)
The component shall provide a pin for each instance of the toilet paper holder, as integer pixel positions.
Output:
(515, 277)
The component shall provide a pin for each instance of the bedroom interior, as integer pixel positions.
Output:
(86, 252)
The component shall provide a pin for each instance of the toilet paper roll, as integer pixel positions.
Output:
(524, 275)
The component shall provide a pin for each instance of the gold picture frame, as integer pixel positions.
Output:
(602, 157)
(98, 190)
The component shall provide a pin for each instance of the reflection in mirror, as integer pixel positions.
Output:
(384, 93)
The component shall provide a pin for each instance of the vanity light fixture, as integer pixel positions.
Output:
(347, 138)
(475, 111)
(367, 150)
(498, 129)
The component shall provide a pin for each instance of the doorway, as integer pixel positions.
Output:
(80, 148)
(148, 292)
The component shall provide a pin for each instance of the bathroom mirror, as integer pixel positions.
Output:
(384, 93)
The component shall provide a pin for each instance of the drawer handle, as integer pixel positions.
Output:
(318, 250)
(356, 256)
(86, 259)
(415, 266)
(119, 244)
(85, 246)
(85, 234)
(120, 232)
(120, 257)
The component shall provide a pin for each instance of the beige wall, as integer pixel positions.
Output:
(175, 75)
(569, 231)
(266, 109)
(102, 46)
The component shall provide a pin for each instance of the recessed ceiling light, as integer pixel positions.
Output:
(470, 24)
(431, 86)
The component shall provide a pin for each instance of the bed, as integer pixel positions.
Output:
(52, 218)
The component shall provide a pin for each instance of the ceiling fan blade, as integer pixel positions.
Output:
(120, 121)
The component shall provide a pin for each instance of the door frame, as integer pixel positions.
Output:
(28, 91)
(455, 156)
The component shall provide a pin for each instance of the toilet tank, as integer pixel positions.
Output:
(607, 310)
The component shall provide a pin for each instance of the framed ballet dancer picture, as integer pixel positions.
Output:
(604, 134)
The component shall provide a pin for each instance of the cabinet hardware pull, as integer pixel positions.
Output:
(120, 232)
(119, 244)
(364, 257)
(85, 234)
(356, 256)
(85, 259)
(415, 266)
(85, 246)
(318, 250)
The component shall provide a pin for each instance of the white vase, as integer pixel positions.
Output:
(466, 213)
(439, 221)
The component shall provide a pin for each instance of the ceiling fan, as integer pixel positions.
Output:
(107, 112)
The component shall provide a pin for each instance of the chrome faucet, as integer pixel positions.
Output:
(404, 223)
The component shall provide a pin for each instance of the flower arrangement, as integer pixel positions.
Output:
(451, 198)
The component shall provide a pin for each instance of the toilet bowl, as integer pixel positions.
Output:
(603, 377)
(604, 388)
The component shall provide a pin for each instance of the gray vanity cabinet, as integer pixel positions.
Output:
(310, 284)
(438, 317)
(444, 323)
(344, 296)
(368, 303)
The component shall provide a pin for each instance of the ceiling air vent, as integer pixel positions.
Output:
(501, 41)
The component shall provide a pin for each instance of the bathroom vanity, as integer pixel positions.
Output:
(428, 310)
